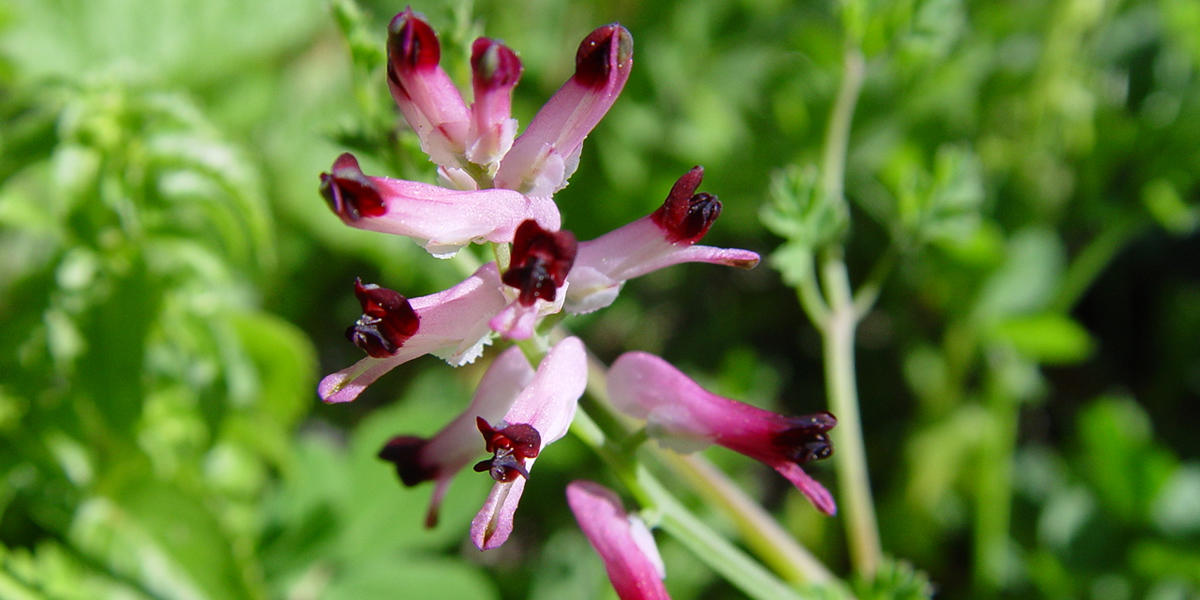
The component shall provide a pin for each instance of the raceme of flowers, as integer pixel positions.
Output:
(497, 188)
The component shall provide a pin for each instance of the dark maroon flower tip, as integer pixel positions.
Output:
(686, 216)
(540, 261)
(510, 447)
(493, 65)
(805, 439)
(411, 43)
(404, 451)
(388, 320)
(602, 52)
(349, 192)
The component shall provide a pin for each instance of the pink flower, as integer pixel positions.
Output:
(495, 70)
(546, 405)
(423, 91)
(664, 238)
(442, 220)
(623, 541)
(442, 456)
(452, 324)
(688, 417)
(547, 153)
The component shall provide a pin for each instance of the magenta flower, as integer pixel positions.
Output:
(442, 456)
(664, 238)
(624, 543)
(451, 324)
(687, 417)
(442, 220)
(546, 405)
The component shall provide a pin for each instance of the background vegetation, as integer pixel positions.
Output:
(171, 286)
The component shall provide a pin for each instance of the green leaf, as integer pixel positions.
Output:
(1047, 338)
(800, 212)
(165, 539)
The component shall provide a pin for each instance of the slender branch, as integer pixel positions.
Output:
(868, 291)
(761, 533)
(838, 335)
(809, 293)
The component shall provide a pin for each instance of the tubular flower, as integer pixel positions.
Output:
(547, 153)
(495, 70)
(688, 417)
(441, 219)
(442, 456)
(451, 324)
(665, 237)
(423, 91)
(624, 543)
(546, 406)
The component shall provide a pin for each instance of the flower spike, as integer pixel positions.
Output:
(546, 405)
(442, 456)
(428, 99)
(452, 324)
(624, 543)
(688, 417)
(547, 153)
(666, 237)
(441, 219)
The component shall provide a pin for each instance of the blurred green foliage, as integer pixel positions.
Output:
(171, 286)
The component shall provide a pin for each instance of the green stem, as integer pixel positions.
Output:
(1092, 260)
(761, 533)
(850, 455)
(838, 330)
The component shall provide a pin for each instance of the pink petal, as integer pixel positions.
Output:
(632, 561)
(546, 154)
(495, 71)
(548, 404)
(441, 219)
(424, 92)
(674, 406)
(453, 326)
(604, 264)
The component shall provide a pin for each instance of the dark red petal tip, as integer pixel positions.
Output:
(540, 262)
(404, 451)
(686, 216)
(388, 320)
(412, 43)
(601, 54)
(350, 193)
(494, 65)
(510, 447)
(806, 440)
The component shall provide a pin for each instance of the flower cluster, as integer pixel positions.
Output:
(497, 188)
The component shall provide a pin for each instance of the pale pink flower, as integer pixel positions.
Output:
(457, 445)
(441, 219)
(547, 406)
(451, 324)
